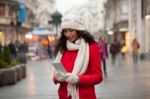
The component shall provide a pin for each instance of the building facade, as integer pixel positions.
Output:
(36, 14)
(139, 23)
(145, 25)
(116, 20)
(42, 10)
(130, 18)
(10, 29)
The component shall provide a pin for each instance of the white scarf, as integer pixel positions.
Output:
(80, 65)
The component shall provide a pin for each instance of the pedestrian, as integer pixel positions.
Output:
(135, 50)
(79, 54)
(124, 50)
(103, 52)
(49, 50)
(21, 55)
(1, 47)
(114, 50)
(13, 52)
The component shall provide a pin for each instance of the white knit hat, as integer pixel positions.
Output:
(72, 22)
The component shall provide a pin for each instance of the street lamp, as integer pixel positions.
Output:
(20, 11)
(56, 20)
(15, 7)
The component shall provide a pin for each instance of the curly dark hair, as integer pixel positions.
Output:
(61, 45)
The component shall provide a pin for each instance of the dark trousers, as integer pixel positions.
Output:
(104, 65)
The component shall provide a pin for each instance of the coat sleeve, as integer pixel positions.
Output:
(55, 80)
(93, 74)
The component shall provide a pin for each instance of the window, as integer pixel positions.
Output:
(2, 9)
(124, 8)
(10, 13)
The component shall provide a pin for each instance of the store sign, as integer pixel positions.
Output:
(22, 13)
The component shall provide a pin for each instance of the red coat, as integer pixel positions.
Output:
(92, 76)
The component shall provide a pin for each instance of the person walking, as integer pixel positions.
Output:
(124, 51)
(103, 52)
(135, 50)
(13, 52)
(1, 47)
(114, 50)
(79, 54)
(49, 50)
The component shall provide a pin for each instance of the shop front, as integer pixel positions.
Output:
(120, 30)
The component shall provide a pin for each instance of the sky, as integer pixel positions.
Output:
(64, 5)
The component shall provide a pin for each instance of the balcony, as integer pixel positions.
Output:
(6, 20)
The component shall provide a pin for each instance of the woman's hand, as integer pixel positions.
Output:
(60, 76)
(72, 78)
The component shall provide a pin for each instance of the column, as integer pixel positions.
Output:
(139, 24)
(130, 22)
(147, 35)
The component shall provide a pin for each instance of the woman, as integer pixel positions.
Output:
(103, 52)
(79, 54)
(135, 50)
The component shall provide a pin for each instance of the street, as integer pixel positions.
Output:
(124, 81)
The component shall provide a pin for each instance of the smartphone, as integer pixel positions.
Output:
(59, 67)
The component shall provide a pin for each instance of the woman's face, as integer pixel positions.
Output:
(71, 34)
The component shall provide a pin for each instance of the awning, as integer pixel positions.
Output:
(41, 31)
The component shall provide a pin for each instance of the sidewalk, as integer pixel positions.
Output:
(37, 84)
(124, 81)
